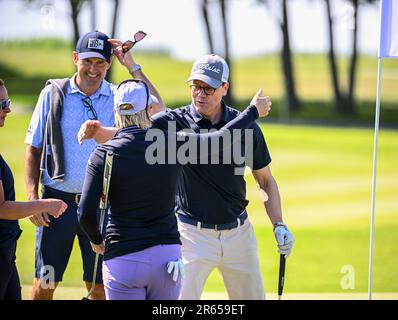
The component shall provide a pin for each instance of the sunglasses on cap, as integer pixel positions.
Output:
(5, 103)
(129, 44)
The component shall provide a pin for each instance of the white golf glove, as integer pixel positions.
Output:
(177, 268)
(284, 238)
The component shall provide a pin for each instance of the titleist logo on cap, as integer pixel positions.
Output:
(206, 66)
(95, 44)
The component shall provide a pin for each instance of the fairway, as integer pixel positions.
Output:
(77, 293)
(324, 175)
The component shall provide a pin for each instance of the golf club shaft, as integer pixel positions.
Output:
(281, 281)
(103, 208)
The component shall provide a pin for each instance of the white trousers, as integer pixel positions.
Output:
(233, 252)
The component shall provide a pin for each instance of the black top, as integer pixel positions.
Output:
(214, 193)
(141, 192)
(9, 229)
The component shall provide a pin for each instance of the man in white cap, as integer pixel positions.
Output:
(55, 159)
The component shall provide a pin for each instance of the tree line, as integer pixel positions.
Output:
(343, 98)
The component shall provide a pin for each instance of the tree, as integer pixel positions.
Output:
(344, 100)
(225, 53)
(229, 98)
(332, 58)
(205, 16)
(292, 103)
(113, 32)
(76, 6)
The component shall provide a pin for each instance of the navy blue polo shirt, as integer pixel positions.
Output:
(142, 210)
(213, 193)
(9, 229)
(141, 193)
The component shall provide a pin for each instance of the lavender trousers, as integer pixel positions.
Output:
(142, 275)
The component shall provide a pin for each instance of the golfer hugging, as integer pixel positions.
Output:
(173, 181)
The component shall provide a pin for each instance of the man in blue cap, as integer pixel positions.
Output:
(54, 158)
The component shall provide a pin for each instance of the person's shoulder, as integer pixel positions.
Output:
(47, 90)
(2, 161)
(168, 114)
(97, 157)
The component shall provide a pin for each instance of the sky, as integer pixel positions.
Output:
(176, 25)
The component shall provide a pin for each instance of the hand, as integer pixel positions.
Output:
(178, 269)
(125, 59)
(284, 238)
(40, 219)
(262, 103)
(54, 207)
(98, 248)
(88, 130)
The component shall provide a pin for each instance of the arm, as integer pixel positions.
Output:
(32, 175)
(89, 201)
(259, 107)
(92, 129)
(13, 210)
(127, 60)
(32, 171)
(272, 201)
(270, 193)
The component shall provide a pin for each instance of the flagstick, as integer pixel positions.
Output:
(376, 141)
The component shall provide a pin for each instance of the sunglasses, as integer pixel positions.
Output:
(88, 104)
(5, 103)
(129, 44)
(208, 91)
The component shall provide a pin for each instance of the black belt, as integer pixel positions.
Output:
(216, 227)
(66, 196)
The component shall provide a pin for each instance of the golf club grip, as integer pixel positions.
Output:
(103, 209)
(106, 179)
(282, 263)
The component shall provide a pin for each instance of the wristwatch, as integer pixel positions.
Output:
(135, 68)
(279, 224)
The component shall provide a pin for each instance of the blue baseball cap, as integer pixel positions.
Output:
(94, 45)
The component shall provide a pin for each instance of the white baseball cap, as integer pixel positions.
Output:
(135, 94)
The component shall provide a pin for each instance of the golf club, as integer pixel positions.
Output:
(103, 208)
(126, 46)
(282, 263)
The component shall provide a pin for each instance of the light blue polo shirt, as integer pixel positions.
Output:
(74, 114)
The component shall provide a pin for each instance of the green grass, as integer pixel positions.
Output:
(324, 175)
